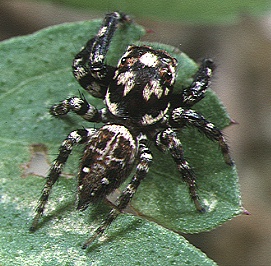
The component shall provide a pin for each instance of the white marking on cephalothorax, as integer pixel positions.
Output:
(128, 86)
(153, 87)
(113, 107)
(149, 119)
(127, 79)
(166, 91)
(149, 59)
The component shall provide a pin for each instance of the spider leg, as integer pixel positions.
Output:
(80, 106)
(145, 159)
(75, 137)
(167, 140)
(196, 91)
(88, 65)
(189, 117)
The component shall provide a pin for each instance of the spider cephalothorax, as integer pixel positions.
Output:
(140, 107)
(142, 85)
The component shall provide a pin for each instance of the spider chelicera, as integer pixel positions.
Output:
(140, 107)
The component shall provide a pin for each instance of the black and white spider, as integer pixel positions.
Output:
(140, 107)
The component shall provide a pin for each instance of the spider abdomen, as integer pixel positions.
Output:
(107, 161)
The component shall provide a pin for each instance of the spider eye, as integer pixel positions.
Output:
(166, 75)
(123, 60)
(127, 61)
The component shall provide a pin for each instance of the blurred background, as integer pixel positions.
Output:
(238, 37)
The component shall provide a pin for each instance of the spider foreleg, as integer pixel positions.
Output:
(189, 117)
(75, 137)
(196, 91)
(80, 106)
(145, 159)
(167, 140)
(88, 65)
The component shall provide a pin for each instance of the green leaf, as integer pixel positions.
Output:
(35, 72)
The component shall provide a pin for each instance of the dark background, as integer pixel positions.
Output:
(242, 52)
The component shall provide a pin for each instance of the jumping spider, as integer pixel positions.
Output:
(140, 107)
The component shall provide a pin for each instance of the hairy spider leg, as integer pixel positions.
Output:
(196, 91)
(167, 140)
(88, 65)
(192, 118)
(200, 84)
(79, 136)
(80, 106)
(145, 159)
